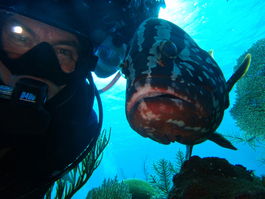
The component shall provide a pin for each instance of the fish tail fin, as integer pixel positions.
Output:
(222, 141)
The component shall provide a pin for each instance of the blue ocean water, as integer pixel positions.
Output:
(227, 27)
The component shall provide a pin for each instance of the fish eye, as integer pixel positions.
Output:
(168, 48)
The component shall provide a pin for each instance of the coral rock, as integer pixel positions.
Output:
(215, 178)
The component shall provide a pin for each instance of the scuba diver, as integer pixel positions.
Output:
(46, 93)
(113, 26)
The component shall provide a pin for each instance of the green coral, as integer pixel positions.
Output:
(140, 189)
(249, 108)
(110, 189)
(82, 172)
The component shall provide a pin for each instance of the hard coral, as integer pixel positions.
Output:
(140, 189)
(215, 178)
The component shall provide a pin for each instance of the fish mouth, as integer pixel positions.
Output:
(165, 118)
(167, 111)
(193, 96)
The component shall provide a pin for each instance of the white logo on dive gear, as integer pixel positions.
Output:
(28, 97)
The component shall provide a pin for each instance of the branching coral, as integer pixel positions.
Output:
(249, 108)
(80, 174)
(111, 189)
(165, 170)
(179, 160)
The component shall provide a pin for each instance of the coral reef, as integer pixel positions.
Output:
(140, 189)
(77, 177)
(249, 108)
(215, 178)
(110, 189)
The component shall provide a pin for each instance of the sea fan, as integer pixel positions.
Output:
(252, 140)
(76, 178)
(248, 110)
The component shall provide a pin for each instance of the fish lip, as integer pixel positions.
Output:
(203, 109)
(158, 94)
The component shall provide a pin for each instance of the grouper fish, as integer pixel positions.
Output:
(175, 90)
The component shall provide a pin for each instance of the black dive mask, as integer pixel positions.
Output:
(24, 113)
(41, 61)
(22, 110)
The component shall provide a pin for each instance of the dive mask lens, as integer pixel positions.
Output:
(109, 57)
(23, 113)
(30, 47)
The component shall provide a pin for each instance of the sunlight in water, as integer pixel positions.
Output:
(181, 13)
(167, 12)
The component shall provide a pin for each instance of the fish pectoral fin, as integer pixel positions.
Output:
(222, 141)
(188, 151)
(210, 52)
(240, 72)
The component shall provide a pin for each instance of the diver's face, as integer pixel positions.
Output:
(20, 34)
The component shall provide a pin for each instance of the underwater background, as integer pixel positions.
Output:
(229, 28)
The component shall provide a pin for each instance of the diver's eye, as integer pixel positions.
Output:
(20, 40)
(65, 52)
(103, 53)
(115, 61)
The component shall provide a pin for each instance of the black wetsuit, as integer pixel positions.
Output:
(32, 160)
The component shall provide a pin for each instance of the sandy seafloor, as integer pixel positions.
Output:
(229, 28)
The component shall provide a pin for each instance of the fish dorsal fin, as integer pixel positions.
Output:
(188, 151)
(211, 53)
(240, 72)
(221, 141)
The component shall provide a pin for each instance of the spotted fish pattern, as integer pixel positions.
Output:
(175, 90)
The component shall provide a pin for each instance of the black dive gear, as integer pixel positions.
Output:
(26, 109)
(41, 61)
(31, 162)
(120, 18)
